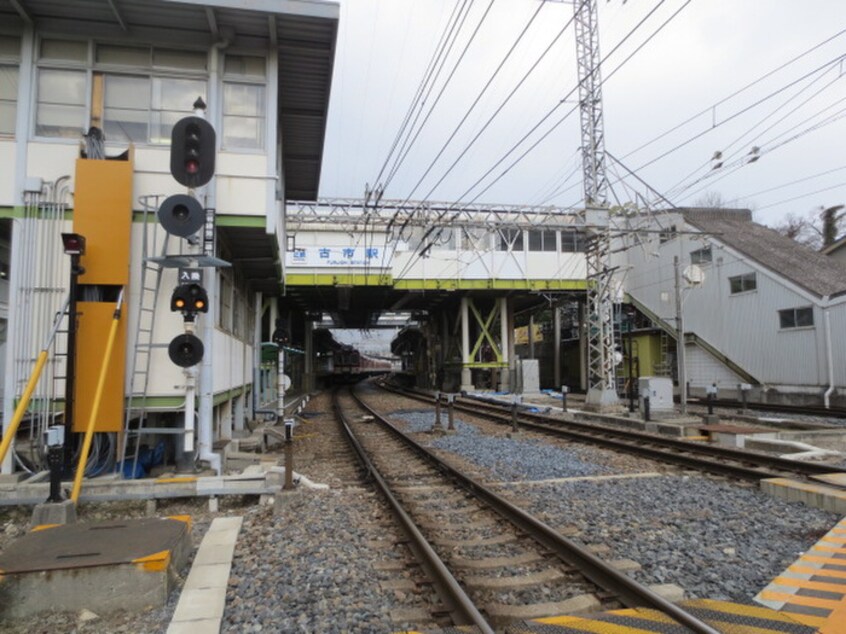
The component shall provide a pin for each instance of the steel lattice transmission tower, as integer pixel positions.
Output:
(602, 390)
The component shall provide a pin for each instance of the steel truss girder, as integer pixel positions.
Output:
(351, 214)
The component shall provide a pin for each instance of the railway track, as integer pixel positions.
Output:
(794, 410)
(725, 461)
(490, 561)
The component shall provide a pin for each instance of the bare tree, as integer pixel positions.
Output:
(710, 200)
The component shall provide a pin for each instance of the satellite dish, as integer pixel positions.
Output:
(286, 382)
(694, 275)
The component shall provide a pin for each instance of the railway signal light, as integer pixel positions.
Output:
(189, 299)
(185, 350)
(192, 151)
(181, 215)
(281, 336)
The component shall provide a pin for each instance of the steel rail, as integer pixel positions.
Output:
(461, 608)
(810, 410)
(727, 453)
(630, 592)
(626, 440)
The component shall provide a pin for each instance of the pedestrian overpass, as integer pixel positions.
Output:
(463, 271)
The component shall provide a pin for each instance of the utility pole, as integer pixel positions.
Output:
(602, 388)
(680, 338)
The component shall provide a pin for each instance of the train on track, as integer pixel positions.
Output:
(342, 362)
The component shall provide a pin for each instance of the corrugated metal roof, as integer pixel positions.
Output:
(801, 265)
(305, 34)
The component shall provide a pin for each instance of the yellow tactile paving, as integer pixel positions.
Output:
(831, 539)
(836, 623)
(829, 549)
(737, 628)
(740, 609)
(819, 572)
(793, 582)
(810, 621)
(823, 560)
(797, 599)
(601, 627)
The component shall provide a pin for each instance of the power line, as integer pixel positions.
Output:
(554, 109)
(742, 111)
(466, 48)
(424, 81)
(482, 94)
(736, 93)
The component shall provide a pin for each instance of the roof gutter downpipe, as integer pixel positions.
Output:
(205, 435)
(829, 359)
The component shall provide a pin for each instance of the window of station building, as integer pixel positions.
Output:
(143, 106)
(474, 239)
(796, 317)
(701, 256)
(510, 239)
(542, 240)
(61, 102)
(743, 283)
(61, 108)
(10, 54)
(572, 241)
(244, 102)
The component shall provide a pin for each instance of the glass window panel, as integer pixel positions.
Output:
(750, 282)
(549, 241)
(64, 50)
(245, 66)
(131, 93)
(804, 317)
(61, 103)
(59, 121)
(124, 55)
(177, 95)
(10, 46)
(736, 284)
(786, 318)
(61, 87)
(243, 99)
(126, 125)
(162, 125)
(535, 240)
(8, 98)
(7, 117)
(243, 132)
(181, 60)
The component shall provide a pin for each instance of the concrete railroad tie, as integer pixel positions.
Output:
(200, 607)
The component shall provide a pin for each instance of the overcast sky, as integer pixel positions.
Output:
(707, 52)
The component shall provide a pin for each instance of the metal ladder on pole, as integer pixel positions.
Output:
(137, 406)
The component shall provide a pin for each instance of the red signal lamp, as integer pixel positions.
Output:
(74, 243)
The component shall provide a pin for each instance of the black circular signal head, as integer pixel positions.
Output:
(182, 215)
(185, 350)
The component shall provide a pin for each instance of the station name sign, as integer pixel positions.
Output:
(334, 257)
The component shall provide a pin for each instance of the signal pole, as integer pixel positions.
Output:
(602, 388)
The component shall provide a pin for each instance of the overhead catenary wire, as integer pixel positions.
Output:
(737, 92)
(437, 54)
(548, 115)
(440, 94)
(679, 188)
(484, 90)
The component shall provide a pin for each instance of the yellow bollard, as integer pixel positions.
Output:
(95, 407)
